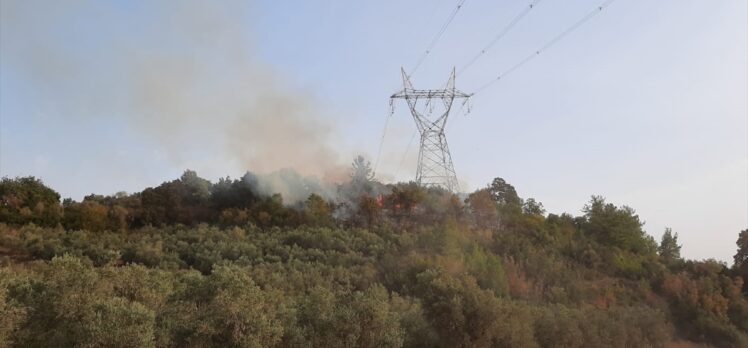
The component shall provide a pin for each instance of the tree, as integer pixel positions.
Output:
(348, 319)
(483, 209)
(533, 207)
(27, 200)
(465, 315)
(613, 226)
(87, 215)
(184, 201)
(742, 255)
(361, 183)
(68, 306)
(741, 259)
(404, 199)
(669, 249)
(504, 193)
(227, 193)
(625, 248)
(318, 211)
(12, 313)
(198, 189)
(361, 171)
(235, 312)
(368, 210)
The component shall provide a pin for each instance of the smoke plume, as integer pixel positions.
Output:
(187, 76)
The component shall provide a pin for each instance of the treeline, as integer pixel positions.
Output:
(192, 263)
(191, 200)
(188, 200)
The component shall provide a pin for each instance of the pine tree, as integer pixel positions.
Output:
(669, 249)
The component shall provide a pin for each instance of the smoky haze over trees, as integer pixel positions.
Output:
(200, 78)
(359, 264)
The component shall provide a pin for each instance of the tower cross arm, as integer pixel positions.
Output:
(429, 93)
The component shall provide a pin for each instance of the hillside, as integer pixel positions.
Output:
(358, 264)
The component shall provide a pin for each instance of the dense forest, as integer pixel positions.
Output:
(191, 263)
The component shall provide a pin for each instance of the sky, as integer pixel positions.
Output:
(646, 104)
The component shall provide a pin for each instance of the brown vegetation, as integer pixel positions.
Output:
(195, 263)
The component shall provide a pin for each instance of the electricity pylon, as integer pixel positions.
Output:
(435, 166)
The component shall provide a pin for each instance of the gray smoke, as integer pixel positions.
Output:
(292, 186)
(185, 75)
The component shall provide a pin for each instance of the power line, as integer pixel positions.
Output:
(548, 44)
(407, 149)
(501, 34)
(438, 36)
(390, 112)
(433, 12)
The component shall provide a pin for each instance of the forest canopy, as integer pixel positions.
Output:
(357, 264)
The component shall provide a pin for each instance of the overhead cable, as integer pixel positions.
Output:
(438, 36)
(501, 34)
(547, 45)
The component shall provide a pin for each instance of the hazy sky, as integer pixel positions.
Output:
(646, 104)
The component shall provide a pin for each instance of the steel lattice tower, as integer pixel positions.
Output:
(435, 166)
